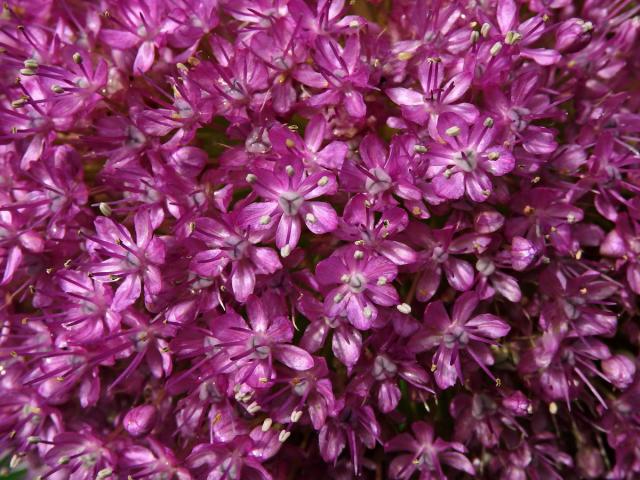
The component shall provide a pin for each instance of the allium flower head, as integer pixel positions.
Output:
(278, 239)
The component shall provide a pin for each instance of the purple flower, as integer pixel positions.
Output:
(81, 456)
(346, 340)
(622, 243)
(232, 242)
(125, 259)
(154, 462)
(440, 255)
(139, 26)
(381, 172)
(467, 159)
(344, 73)
(253, 346)
(289, 192)
(425, 454)
(287, 144)
(355, 425)
(361, 226)
(241, 458)
(460, 332)
(436, 97)
(364, 281)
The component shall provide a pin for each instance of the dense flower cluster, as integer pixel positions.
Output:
(277, 239)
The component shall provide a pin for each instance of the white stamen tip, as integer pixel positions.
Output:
(104, 473)
(250, 178)
(105, 209)
(367, 312)
(285, 251)
(265, 219)
(296, 415)
(323, 181)
(283, 436)
(289, 169)
(266, 425)
(358, 254)
(381, 281)
(404, 308)
(310, 218)
(253, 408)
(453, 131)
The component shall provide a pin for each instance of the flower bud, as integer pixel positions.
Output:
(140, 420)
(620, 369)
(573, 35)
(590, 463)
(488, 221)
(522, 253)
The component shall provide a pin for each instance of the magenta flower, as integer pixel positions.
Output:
(133, 262)
(623, 244)
(79, 456)
(364, 281)
(425, 454)
(344, 73)
(381, 172)
(139, 25)
(360, 226)
(346, 340)
(465, 162)
(238, 238)
(436, 97)
(253, 346)
(15, 240)
(230, 243)
(241, 458)
(288, 191)
(287, 144)
(455, 334)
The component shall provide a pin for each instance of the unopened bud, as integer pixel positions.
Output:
(139, 421)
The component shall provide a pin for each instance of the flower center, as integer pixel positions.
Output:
(466, 160)
(238, 247)
(383, 368)
(456, 336)
(485, 266)
(357, 282)
(290, 202)
(378, 182)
